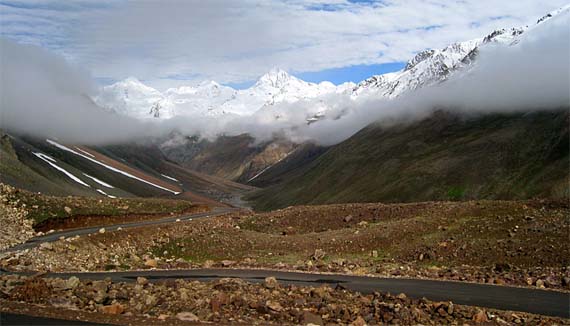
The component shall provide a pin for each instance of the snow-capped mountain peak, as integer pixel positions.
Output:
(276, 78)
(428, 67)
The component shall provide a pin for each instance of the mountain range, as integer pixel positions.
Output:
(133, 98)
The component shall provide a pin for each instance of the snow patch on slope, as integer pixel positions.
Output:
(51, 161)
(65, 148)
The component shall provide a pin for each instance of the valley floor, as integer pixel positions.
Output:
(504, 243)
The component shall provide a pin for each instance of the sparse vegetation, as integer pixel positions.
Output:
(43, 209)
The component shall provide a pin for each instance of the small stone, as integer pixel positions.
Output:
(358, 322)
(347, 218)
(480, 317)
(102, 230)
(274, 305)
(114, 309)
(375, 253)
(271, 282)
(319, 254)
(163, 316)
(72, 282)
(227, 263)
(566, 281)
(187, 316)
(151, 263)
(142, 281)
(309, 318)
(67, 209)
(540, 284)
(46, 246)
(402, 296)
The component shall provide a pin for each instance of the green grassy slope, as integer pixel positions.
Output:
(503, 156)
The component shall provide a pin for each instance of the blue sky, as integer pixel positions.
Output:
(174, 43)
(338, 76)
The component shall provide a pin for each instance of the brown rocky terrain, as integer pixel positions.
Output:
(234, 301)
(16, 227)
(520, 243)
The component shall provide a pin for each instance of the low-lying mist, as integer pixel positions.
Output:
(42, 95)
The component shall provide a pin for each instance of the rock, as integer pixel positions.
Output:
(151, 263)
(375, 253)
(46, 246)
(72, 283)
(402, 296)
(163, 316)
(358, 322)
(142, 280)
(271, 282)
(309, 318)
(566, 281)
(208, 264)
(363, 224)
(319, 254)
(114, 309)
(187, 316)
(347, 218)
(227, 263)
(540, 284)
(321, 292)
(502, 267)
(100, 288)
(274, 305)
(102, 230)
(67, 209)
(480, 317)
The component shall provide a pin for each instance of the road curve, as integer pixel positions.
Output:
(36, 241)
(543, 302)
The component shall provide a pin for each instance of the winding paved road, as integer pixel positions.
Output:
(90, 230)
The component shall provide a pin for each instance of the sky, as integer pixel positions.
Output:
(174, 43)
(43, 95)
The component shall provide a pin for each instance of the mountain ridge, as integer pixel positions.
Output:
(211, 99)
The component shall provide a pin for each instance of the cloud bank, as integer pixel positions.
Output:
(43, 95)
(171, 42)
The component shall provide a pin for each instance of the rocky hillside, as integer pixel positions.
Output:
(443, 157)
(238, 158)
(112, 171)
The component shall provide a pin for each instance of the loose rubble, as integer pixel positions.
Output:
(16, 227)
(233, 300)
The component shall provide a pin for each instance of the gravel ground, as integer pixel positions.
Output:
(16, 227)
(236, 301)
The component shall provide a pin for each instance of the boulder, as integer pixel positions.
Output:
(187, 316)
(271, 282)
(114, 309)
(309, 318)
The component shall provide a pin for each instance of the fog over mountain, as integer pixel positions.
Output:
(41, 94)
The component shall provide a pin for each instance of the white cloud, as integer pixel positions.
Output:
(42, 95)
(235, 41)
